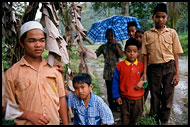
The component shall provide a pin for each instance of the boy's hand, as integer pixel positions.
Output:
(140, 84)
(175, 80)
(119, 101)
(35, 118)
(143, 77)
(114, 41)
(59, 67)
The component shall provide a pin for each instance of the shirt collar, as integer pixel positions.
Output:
(91, 101)
(24, 62)
(129, 63)
(165, 29)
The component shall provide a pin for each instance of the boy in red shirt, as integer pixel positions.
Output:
(127, 87)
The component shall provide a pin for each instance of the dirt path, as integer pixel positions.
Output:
(179, 114)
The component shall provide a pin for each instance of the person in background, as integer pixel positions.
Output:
(160, 47)
(112, 51)
(131, 28)
(139, 37)
(128, 88)
(32, 84)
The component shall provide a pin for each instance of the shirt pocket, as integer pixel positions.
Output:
(150, 45)
(168, 43)
(51, 82)
(23, 83)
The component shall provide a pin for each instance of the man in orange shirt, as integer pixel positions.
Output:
(32, 84)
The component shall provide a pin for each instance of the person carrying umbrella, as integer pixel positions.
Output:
(112, 51)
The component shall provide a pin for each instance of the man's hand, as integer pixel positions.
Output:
(119, 101)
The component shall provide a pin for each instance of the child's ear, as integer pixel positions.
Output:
(91, 86)
(153, 17)
(21, 44)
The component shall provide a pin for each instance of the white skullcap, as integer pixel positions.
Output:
(29, 26)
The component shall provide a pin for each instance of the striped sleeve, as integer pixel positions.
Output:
(115, 84)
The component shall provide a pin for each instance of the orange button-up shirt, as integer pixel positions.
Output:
(35, 90)
(161, 47)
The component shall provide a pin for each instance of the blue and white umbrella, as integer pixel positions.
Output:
(98, 29)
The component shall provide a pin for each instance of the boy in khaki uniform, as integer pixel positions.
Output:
(161, 46)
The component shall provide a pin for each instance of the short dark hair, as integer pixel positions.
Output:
(24, 36)
(140, 30)
(129, 24)
(161, 7)
(132, 41)
(82, 78)
(110, 30)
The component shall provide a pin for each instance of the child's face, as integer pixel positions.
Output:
(82, 90)
(34, 43)
(160, 19)
(131, 53)
(139, 37)
(131, 31)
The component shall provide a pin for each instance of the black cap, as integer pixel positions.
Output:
(160, 8)
(129, 24)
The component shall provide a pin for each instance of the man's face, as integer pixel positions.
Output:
(131, 31)
(82, 90)
(132, 53)
(34, 43)
(160, 19)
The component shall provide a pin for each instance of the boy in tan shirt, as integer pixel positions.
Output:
(161, 46)
(32, 84)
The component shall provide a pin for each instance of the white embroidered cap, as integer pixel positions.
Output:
(29, 26)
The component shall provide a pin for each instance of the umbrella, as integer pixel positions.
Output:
(117, 23)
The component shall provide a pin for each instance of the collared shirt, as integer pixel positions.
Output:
(125, 78)
(161, 47)
(35, 90)
(95, 113)
(111, 58)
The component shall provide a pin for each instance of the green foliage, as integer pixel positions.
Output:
(45, 54)
(5, 55)
(143, 11)
(184, 42)
(147, 120)
(10, 122)
(95, 83)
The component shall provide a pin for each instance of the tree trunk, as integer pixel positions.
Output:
(125, 8)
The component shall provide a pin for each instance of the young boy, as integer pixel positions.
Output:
(131, 28)
(89, 109)
(32, 84)
(112, 51)
(127, 86)
(139, 36)
(161, 46)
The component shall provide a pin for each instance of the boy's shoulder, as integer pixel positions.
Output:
(14, 67)
(153, 29)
